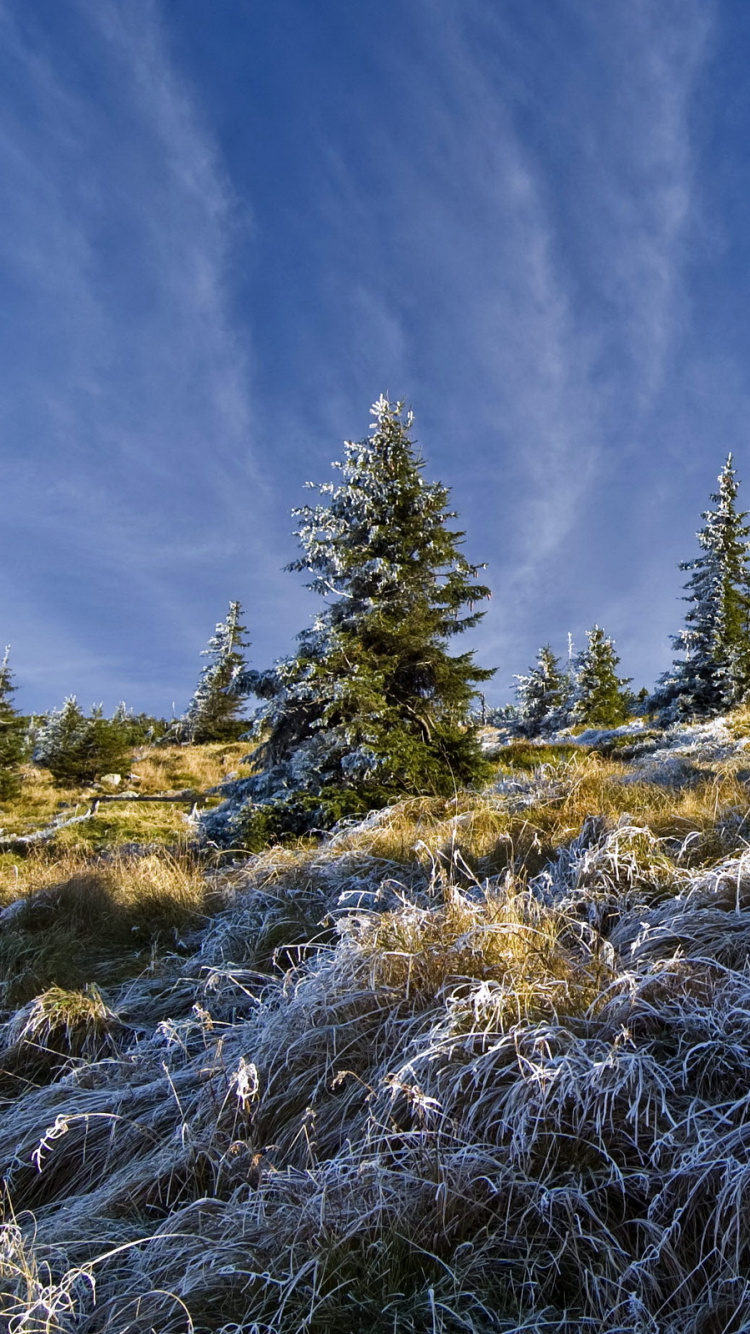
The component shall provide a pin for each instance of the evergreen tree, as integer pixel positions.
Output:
(600, 695)
(12, 730)
(213, 712)
(542, 695)
(138, 729)
(714, 672)
(76, 748)
(372, 706)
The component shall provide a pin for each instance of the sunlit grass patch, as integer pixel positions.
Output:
(153, 769)
(738, 722)
(496, 831)
(56, 1028)
(528, 755)
(71, 1021)
(161, 768)
(77, 918)
(38, 801)
(123, 824)
(522, 830)
(537, 961)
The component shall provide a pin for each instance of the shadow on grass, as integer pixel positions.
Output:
(97, 922)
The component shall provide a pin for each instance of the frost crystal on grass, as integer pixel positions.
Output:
(472, 1063)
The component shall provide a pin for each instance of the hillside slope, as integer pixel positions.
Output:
(472, 1065)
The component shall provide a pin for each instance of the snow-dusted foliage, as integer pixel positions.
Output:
(58, 730)
(372, 704)
(77, 748)
(711, 671)
(600, 697)
(501, 715)
(213, 713)
(11, 732)
(543, 695)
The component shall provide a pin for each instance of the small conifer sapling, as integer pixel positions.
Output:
(79, 749)
(601, 698)
(542, 695)
(213, 713)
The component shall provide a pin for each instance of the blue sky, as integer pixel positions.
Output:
(226, 228)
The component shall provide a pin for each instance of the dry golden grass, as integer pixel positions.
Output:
(83, 918)
(38, 801)
(127, 880)
(531, 956)
(58, 1028)
(153, 769)
(738, 722)
(161, 768)
(393, 1085)
(68, 1016)
(493, 832)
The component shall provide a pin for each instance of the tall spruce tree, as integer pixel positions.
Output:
(213, 713)
(542, 695)
(12, 733)
(600, 695)
(373, 705)
(711, 670)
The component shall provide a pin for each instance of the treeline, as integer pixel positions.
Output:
(711, 668)
(373, 705)
(587, 692)
(78, 747)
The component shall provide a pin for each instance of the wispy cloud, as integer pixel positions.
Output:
(492, 212)
(127, 403)
(537, 203)
(642, 189)
(588, 337)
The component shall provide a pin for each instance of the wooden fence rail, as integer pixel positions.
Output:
(19, 842)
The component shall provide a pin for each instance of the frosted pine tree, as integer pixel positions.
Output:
(542, 695)
(76, 748)
(11, 733)
(600, 696)
(213, 713)
(711, 670)
(373, 705)
(59, 733)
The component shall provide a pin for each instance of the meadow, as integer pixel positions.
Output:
(468, 1064)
